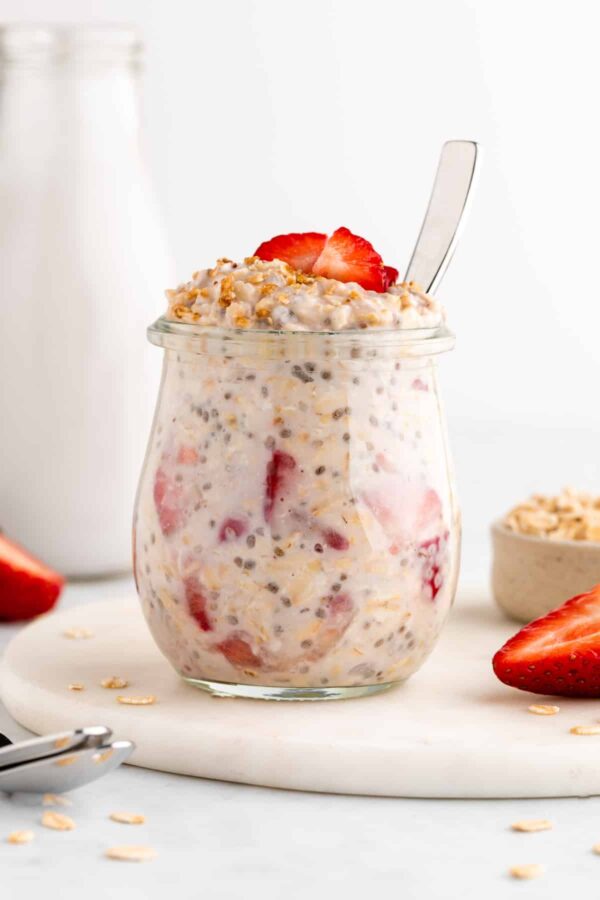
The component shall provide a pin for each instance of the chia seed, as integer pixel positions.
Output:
(274, 588)
(238, 561)
(318, 548)
(319, 470)
(301, 374)
(249, 564)
(250, 541)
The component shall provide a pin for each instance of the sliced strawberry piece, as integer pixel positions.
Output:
(237, 650)
(197, 603)
(334, 539)
(300, 251)
(187, 456)
(279, 470)
(432, 553)
(348, 257)
(28, 588)
(231, 529)
(390, 277)
(168, 501)
(419, 385)
(558, 653)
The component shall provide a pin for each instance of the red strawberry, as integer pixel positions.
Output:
(390, 277)
(433, 556)
(232, 529)
(279, 469)
(348, 257)
(196, 602)
(557, 654)
(187, 456)
(28, 588)
(168, 500)
(239, 653)
(334, 539)
(298, 250)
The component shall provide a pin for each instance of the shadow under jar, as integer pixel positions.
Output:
(296, 534)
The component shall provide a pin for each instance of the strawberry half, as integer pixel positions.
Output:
(348, 257)
(557, 654)
(300, 251)
(28, 588)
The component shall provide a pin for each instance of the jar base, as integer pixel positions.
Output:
(272, 692)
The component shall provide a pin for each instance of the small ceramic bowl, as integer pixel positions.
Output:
(533, 575)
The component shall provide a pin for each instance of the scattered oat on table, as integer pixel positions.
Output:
(128, 818)
(114, 682)
(78, 634)
(55, 800)
(532, 825)
(585, 729)
(21, 837)
(543, 709)
(137, 701)
(131, 853)
(57, 821)
(528, 870)
(76, 686)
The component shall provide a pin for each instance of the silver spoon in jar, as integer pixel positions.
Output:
(446, 213)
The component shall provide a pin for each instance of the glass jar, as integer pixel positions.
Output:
(296, 534)
(79, 233)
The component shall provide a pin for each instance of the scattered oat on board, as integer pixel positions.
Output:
(543, 709)
(114, 682)
(76, 686)
(127, 818)
(532, 825)
(131, 853)
(137, 701)
(57, 821)
(585, 729)
(78, 634)
(56, 800)
(526, 871)
(21, 837)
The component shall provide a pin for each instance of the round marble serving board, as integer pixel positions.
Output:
(451, 731)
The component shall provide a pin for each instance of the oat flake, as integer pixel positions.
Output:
(137, 701)
(585, 729)
(76, 686)
(55, 800)
(543, 709)
(57, 821)
(131, 853)
(127, 818)
(532, 825)
(78, 634)
(21, 837)
(114, 682)
(529, 870)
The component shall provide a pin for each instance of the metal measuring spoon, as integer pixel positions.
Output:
(60, 762)
(448, 204)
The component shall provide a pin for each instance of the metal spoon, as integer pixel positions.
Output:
(60, 762)
(448, 204)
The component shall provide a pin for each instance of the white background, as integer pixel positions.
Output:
(267, 116)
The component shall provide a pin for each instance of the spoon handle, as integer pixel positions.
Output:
(457, 170)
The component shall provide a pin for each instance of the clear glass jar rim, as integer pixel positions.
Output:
(186, 336)
(45, 41)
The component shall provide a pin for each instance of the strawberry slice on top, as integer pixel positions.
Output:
(348, 257)
(300, 251)
(558, 653)
(28, 588)
(344, 256)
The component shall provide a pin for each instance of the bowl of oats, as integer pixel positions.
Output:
(545, 550)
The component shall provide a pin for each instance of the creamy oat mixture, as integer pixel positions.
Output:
(295, 519)
(572, 515)
(272, 295)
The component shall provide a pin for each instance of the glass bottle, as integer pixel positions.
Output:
(81, 252)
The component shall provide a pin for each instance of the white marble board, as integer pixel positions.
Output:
(451, 731)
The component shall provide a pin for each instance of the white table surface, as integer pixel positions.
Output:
(217, 840)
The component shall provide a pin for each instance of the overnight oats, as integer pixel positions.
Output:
(296, 534)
